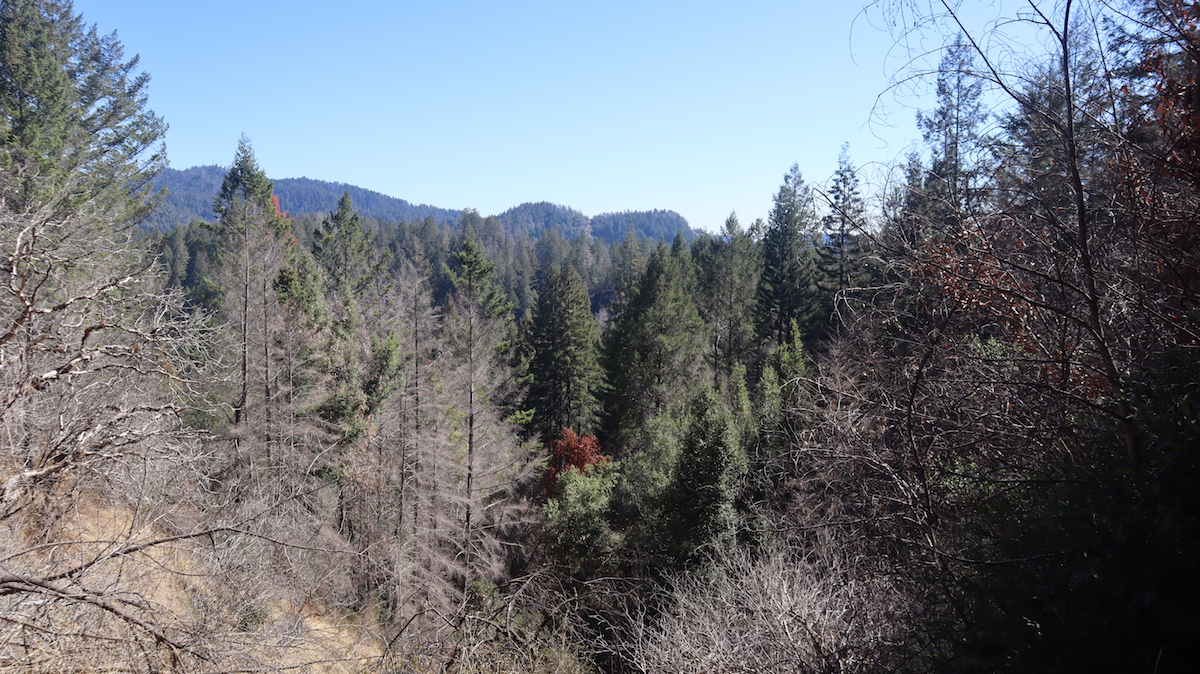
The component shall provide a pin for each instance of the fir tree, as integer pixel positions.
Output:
(564, 367)
(699, 509)
(728, 268)
(252, 246)
(787, 286)
(345, 250)
(952, 133)
(839, 250)
(74, 127)
(654, 351)
(479, 335)
(361, 355)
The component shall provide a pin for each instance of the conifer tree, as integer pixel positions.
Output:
(629, 263)
(728, 268)
(787, 286)
(564, 368)
(479, 337)
(839, 250)
(252, 243)
(653, 351)
(74, 126)
(700, 505)
(344, 249)
(361, 355)
(950, 190)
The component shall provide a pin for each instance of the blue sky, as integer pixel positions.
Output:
(699, 107)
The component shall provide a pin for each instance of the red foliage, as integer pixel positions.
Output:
(278, 211)
(571, 450)
(1179, 85)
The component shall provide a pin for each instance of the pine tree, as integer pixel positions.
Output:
(74, 127)
(564, 367)
(253, 243)
(952, 133)
(787, 286)
(653, 351)
(839, 250)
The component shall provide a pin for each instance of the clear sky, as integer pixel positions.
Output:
(698, 107)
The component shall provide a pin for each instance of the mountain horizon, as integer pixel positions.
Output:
(190, 194)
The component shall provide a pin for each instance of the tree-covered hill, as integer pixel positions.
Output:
(535, 218)
(656, 224)
(191, 192)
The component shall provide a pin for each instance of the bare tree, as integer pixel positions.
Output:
(779, 610)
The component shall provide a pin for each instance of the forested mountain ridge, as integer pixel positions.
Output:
(538, 218)
(190, 194)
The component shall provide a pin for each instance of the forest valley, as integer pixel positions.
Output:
(956, 430)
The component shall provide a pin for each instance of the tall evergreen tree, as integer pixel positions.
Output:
(700, 502)
(728, 268)
(653, 351)
(787, 286)
(253, 249)
(479, 332)
(564, 367)
(361, 355)
(629, 263)
(839, 250)
(74, 126)
(344, 249)
(952, 133)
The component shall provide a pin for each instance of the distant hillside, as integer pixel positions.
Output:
(535, 219)
(305, 195)
(654, 224)
(191, 194)
(542, 216)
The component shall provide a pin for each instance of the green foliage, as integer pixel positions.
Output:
(1108, 554)
(74, 127)
(577, 530)
(472, 280)
(646, 475)
(344, 250)
(361, 356)
(950, 193)
(728, 268)
(245, 195)
(840, 250)
(699, 508)
(564, 369)
(788, 358)
(654, 351)
(740, 405)
(787, 289)
(299, 285)
(383, 371)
